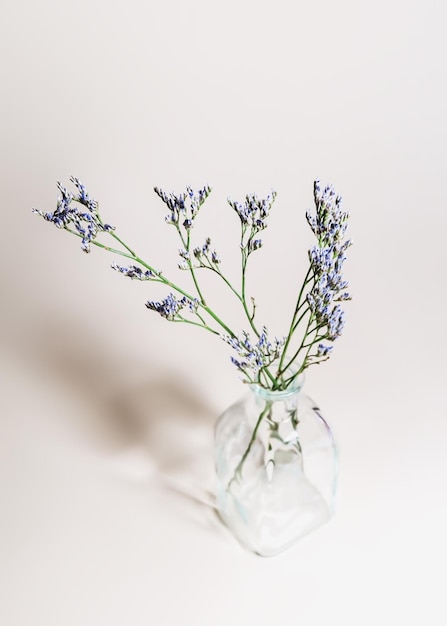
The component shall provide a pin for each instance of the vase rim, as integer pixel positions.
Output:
(279, 394)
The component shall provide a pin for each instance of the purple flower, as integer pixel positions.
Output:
(87, 224)
(184, 207)
(206, 257)
(254, 356)
(170, 306)
(324, 350)
(254, 211)
(134, 272)
(327, 258)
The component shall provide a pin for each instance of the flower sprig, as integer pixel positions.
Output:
(253, 215)
(319, 307)
(87, 224)
(318, 318)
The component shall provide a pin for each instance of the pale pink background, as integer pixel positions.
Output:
(107, 411)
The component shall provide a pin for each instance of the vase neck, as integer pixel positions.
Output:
(270, 395)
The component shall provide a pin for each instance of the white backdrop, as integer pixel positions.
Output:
(103, 401)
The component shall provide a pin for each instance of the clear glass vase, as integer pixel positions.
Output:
(276, 465)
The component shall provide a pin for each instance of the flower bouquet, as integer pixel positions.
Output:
(275, 454)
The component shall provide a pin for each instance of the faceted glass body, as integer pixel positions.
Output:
(276, 465)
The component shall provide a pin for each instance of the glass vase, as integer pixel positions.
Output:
(276, 465)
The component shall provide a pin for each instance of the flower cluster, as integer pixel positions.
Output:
(205, 255)
(253, 215)
(261, 360)
(268, 363)
(87, 224)
(254, 211)
(183, 208)
(254, 356)
(170, 306)
(326, 261)
(134, 272)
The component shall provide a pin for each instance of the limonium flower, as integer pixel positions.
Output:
(170, 307)
(67, 214)
(318, 318)
(183, 208)
(134, 272)
(254, 355)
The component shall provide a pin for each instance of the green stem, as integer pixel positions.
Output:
(314, 341)
(243, 296)
(226, 281)
(201, 318)
(185, 321)
(187, 295)
(245, 306)
(267, 409)
(115, 236)
(306, 334)
(303, 366)
(190, 265)
(242, 300)
(294, 323)
(244, 262)
(132, 255)
(100, 245)
(301, 317)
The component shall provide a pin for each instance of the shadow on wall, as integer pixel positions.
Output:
(146, 419)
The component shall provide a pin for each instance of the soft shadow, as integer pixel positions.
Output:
(175, 429)
(151, 425)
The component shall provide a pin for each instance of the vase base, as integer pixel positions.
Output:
(271, 530)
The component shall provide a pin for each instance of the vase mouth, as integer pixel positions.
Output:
(279, 394)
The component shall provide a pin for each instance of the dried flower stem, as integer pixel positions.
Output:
(317, 307)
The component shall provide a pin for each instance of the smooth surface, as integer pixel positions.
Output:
(107, 410)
